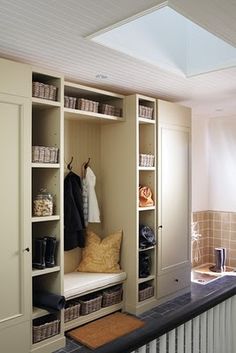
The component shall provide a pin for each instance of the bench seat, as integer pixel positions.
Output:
(80, 283)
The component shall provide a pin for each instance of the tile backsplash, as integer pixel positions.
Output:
(217, 229)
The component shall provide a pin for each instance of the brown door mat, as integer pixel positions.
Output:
(106, 329)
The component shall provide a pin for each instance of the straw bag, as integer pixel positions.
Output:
(145, 196)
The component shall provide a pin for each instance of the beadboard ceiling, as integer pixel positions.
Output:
(52, 34)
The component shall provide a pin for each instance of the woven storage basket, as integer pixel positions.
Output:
(145, 112)
(72, 311)
(42, 331)
(110, 110)
(112, 296)
(91, 303)
(146, 160)
(145, 292)
(70, 102)
(45, 91)
(42, 154)
(87, 105)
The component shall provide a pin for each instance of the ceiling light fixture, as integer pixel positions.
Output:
(101, 76)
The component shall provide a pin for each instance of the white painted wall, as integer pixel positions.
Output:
(214, 164)
(222, 164)
(199, 163)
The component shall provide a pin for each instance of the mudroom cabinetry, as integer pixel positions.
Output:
(15, 207)
(174, 178)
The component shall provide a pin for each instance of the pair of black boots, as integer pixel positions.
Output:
(44, 252)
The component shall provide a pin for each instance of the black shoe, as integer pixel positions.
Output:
(39, 253)
(50, 251)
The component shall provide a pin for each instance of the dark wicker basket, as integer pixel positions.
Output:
(87, 105)
(72, 310)
(112, 296)
(145, 112)
(145, 292)
(70, 102)
(44, 328)
(90, 303)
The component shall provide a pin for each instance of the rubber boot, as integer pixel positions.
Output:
(39, 253)
(50, 251)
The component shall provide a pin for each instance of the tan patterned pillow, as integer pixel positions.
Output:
(101, 255)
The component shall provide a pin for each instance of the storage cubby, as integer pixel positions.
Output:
(46, 80)
(82, 102)
(47, 229)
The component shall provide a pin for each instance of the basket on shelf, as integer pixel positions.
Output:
(42, 154)
(145, 291)
(70, 102)
(110, 110)
(43, 330)
(72, 310)
(87, 105)
(112, 296)
(146, 160)
(145, 112)
(90, 303)
(44, 91)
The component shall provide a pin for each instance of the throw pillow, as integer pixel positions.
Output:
(101, 255)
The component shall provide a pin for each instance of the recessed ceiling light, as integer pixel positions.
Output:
(101, 76)
(219, 109)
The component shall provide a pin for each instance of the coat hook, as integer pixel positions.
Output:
(69, 166)
(87, 164)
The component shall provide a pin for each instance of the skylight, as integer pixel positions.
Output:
(170, 41)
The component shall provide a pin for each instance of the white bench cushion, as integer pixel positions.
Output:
(78, 283)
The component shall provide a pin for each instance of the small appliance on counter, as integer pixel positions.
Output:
(220, 260)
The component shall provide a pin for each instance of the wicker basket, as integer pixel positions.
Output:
(145, 112)
(146, 160)
(145, 291)
(112, 296)
(42, 154)
(90, 303)
(72, 310)
(110, 110)
(45, 91)
(87, 105)
(70, 102)
(43, 330)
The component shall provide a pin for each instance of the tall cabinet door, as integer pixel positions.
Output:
(173, 199)
(15, 224)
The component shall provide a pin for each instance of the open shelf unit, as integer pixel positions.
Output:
(101, 97)
(47, 131)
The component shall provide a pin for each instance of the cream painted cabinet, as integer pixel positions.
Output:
(173, 198)
(15, 211)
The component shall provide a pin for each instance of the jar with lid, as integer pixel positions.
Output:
(43, 204)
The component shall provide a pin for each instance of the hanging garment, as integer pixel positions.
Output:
(74, 225)
(85, 201)
(93, 209)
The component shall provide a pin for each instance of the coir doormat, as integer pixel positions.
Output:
(105, 330)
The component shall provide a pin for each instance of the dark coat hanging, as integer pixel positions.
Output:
(74, 225)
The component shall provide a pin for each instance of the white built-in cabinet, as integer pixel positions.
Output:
(173, 178)
(113, 144)
(15, 207)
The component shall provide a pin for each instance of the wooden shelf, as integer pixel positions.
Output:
(38, 312)
(146, 121)
(45, 271)
(148, 169)
(45, 219)
(146, 249)
(146, 279)
(45, 165)
(90, 116)
(44, 103)
(149, 208)
(93, 316)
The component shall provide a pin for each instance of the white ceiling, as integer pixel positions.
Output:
(51, 34)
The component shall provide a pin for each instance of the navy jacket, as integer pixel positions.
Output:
(74, 225)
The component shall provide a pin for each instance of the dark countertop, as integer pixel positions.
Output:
(171, 314)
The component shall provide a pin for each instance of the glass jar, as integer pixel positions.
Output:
(43, 204)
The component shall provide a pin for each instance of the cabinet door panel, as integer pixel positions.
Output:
(173, 197)
(14, 210)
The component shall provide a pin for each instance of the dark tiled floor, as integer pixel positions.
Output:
(159, 314)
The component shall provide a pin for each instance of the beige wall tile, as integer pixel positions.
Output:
(233, 217)
(233, 236)
(233, 227)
